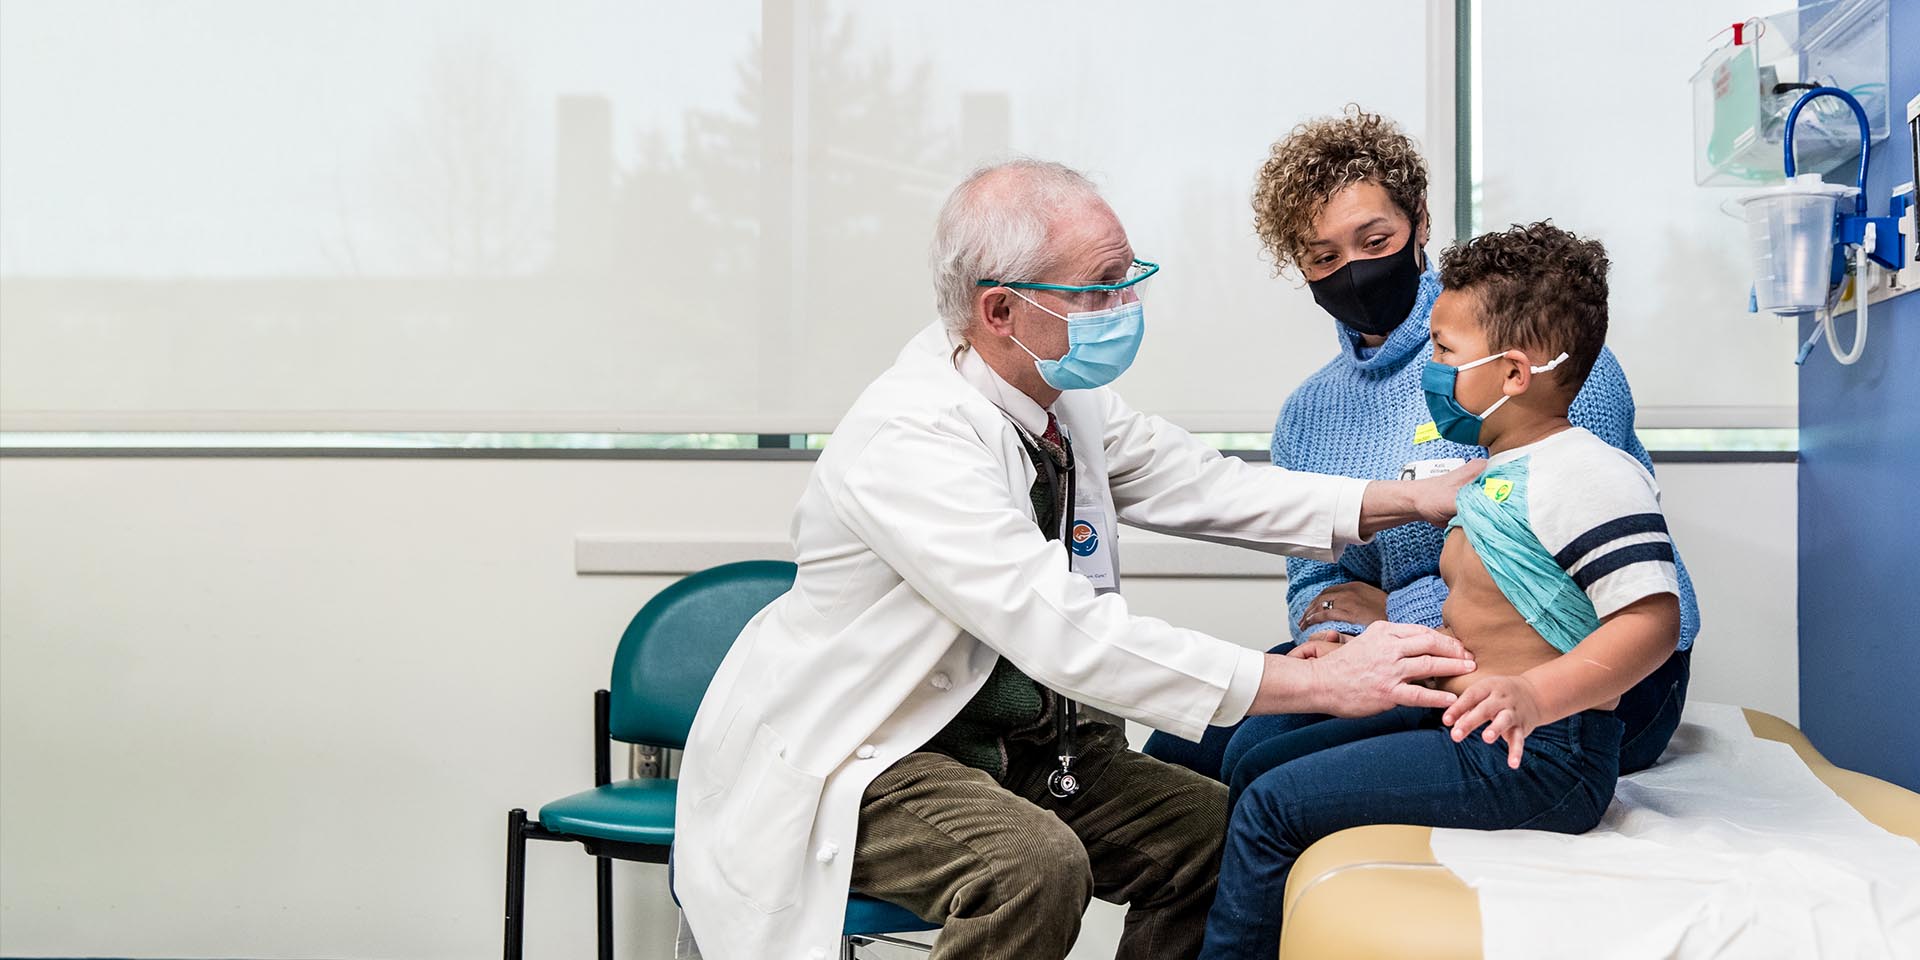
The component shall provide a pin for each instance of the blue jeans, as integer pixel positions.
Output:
(1650, 711)
(1397, 767)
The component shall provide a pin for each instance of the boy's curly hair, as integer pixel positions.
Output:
(1320, 158)
(1539, 289)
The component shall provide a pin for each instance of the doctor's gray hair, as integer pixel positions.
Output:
(995, 226)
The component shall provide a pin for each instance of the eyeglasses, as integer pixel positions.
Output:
(1140, 270)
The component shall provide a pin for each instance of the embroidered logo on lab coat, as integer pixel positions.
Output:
(1085, 540)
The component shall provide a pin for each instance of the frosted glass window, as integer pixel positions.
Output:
(450, 215)
(1587, 119)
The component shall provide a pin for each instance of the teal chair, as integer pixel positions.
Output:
(666, 658)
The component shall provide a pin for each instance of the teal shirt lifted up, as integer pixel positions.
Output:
(1493, 512)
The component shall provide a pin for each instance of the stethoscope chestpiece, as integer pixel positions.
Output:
(1062, 783)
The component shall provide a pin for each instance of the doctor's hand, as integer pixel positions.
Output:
(1366, 675)
(1390, 503)
(1435, 501)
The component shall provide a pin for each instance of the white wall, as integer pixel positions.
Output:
(278, 708)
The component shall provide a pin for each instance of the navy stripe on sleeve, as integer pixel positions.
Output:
(1608, 532)
(1625, 556)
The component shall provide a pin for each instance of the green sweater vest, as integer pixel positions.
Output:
(1010, 702)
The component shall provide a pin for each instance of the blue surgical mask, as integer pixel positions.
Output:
(1454, 421)
(1101, 345)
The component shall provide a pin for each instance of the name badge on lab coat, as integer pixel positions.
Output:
(1090, 539)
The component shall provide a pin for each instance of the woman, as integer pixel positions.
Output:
(1342, 202)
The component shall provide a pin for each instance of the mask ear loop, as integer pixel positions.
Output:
(1016, 340)
(1489, 358)
(1556, 361)
(1543, 368)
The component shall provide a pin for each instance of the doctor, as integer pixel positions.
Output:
(903, 721)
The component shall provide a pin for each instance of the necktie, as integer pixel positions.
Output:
(1053, 434)
(1048, 499)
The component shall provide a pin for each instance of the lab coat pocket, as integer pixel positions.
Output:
(765, 823)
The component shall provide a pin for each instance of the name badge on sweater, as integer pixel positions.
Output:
(1423, 469)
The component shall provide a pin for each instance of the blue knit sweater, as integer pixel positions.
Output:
(1356, 416)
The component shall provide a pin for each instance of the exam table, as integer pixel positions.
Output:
(1378, 892)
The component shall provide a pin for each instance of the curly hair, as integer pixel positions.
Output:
(1319, 159)
(1539, 289)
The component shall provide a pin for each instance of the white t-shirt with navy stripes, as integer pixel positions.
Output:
(1597, 510)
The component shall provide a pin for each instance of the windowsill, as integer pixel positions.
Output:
(1145, 554)
(1667, 446)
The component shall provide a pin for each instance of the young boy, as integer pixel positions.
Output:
(1561, 584)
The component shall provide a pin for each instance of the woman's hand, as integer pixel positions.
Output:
(1350, 602)
(1509, 706)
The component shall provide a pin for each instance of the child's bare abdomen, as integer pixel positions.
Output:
(1478, 614)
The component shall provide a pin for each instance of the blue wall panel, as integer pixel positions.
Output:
(1860, 505)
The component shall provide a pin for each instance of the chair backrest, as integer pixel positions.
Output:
(675, 643)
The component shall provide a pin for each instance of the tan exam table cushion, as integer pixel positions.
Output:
(1375, 893)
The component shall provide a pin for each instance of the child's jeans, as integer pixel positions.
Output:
(1650, 711)
(1398, 767)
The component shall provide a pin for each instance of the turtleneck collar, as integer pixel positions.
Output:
(1403, 344)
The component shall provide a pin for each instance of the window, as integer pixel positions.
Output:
(601, 217)
(1587, 119)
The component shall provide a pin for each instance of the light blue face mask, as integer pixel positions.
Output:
(1101, 345)
(1454, 421)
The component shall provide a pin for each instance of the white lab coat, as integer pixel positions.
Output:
(920, 566)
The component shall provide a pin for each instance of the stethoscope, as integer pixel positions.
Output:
(1061, 783)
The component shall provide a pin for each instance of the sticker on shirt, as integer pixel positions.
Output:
(1090, 540)
(1426, 433)
(1498, 489)
(1424, 469)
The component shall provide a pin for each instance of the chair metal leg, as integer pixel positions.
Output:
(516, 881)
(603, 906)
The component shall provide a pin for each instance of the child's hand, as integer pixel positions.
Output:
(1507, 705)
(1318, 645)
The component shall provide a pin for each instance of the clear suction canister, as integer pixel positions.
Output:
(1790, 237)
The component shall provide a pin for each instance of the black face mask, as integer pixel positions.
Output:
(1372, 296)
